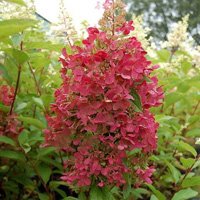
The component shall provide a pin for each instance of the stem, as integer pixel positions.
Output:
(187, 172)
(195, 109)
(61, 158)
(113, 18)
(16, 89)
(17, 83)
(36, 83)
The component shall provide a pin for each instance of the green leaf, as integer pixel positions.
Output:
(43, 45)
(172, 98)
(163, 55)
(4, 108)
(185, 146)
(96, 193)
(12, 155)
(193, 133)
(45, 151)
(20, 2)
(55, 184)
(38, 102)
(153, 197)
(82, 196)
(43, 196)
(23, 141)
(32, 121)
(19, 56)
(44, 171)
(136, 100)
(13, 26)
(185, 194)
(190, 182)
(70, 198)
(187, 162)
(157, 193)
(7, 140)
(175, 172)
(21, 106)
(4, 72)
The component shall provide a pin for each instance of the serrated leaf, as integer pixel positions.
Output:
(32, 121)
(7, 140)
(184, 194)
(13, 26)
(190, 182)
(157, 193)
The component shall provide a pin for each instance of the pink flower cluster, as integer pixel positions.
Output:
(9, 125)
(95, 119)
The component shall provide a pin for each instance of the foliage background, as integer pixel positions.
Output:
(30, 171)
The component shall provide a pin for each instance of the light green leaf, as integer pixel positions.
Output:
(4, 72)
(153, 197)
(38, 102)
(32, 121)
(21, 106)
(187, 162)
(185, 194)
(163, 55)
(20, 2)
(172, 98)
(19, 56)
(13, 26)
(185, 146)
(193, 133)
(190, 182)
(7, 140)
(157, 193)
(174, 171)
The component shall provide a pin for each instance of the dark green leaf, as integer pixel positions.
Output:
(7, 140)
(12, 155)
(44, 171)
